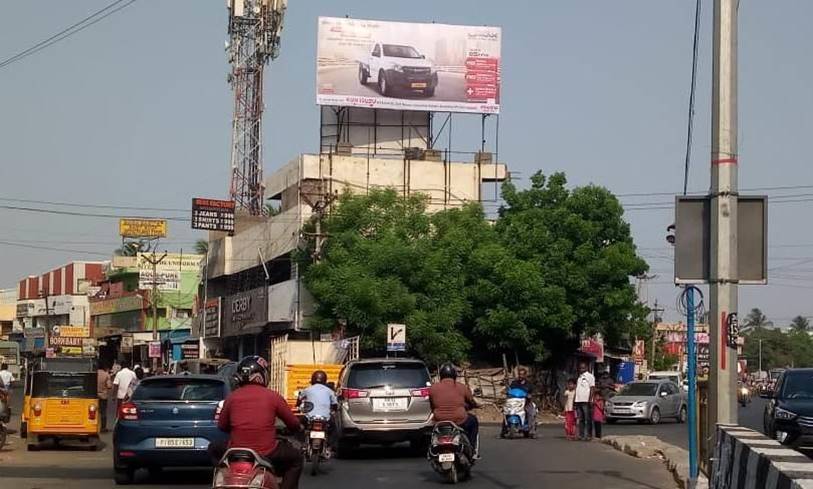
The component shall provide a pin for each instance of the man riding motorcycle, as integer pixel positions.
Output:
(522, 383)
(322, 402)
(249, 415)
(451, 401)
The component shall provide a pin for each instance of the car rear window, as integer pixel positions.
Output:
(180, 390)
(639, 390)
(48, 384)
(396, 375)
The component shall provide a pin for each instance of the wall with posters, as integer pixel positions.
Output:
(408, 66)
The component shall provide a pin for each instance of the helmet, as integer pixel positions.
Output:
(447, 371)
(319, 377)
(252, 370)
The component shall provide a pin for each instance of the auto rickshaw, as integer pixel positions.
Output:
(61, 401)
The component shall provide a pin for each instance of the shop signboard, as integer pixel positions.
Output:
(113, 306)
(593, 346)
(245, 312)
(190, 350)
(143, 228)
(213, 215)
(155, 349)
(211, 318)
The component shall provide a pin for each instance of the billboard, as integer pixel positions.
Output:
(168, 272)
(408, 66)
(143, 228)
(213, 215)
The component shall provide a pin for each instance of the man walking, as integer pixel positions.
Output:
(584, 402)
(123, 382)
(103, 386)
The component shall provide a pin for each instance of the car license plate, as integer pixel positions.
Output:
(174, 443)
(419, 85)
(318, 434)
(446, 457)
(386, 404)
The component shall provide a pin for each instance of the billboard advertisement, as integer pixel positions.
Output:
(408, 66)
(143, 228)
(213, 215)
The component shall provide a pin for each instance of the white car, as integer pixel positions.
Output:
(398, 67)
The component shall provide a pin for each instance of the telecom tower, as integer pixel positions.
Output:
(255, 27)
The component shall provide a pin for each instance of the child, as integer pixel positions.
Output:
(570, 413)
(598, 412)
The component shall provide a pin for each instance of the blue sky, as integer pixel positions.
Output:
(136, 111)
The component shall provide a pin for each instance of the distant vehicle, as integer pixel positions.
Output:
(384, 401)
(206, 366)
(169, 422)
(788, 416)
(673, 376)
(647, 401)
(398, 67)
(743, 394)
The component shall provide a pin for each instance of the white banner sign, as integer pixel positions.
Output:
(396, 337)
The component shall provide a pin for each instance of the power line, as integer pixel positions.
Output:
(94, 206)
(50, 248)
(86, 214)
(75, 28)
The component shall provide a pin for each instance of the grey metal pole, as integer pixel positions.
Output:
(760, 357)
(723, 283)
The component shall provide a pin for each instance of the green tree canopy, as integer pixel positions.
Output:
(756, 319)
(800, 323)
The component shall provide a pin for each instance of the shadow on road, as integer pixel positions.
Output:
(162, 478)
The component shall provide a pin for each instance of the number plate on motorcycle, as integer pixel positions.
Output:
(318, 434)
(174, 443)
(446, 457)
(388, 404)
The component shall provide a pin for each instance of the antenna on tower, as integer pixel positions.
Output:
(255, 27)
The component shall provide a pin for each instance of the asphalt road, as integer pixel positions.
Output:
(549, 461)
(451, 86)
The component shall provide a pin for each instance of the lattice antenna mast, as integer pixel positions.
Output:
(255, 27)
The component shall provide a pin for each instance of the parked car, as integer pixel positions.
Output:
(648, 401)
(169, 422)
(398, 67)
(384, 401)
(789, 413)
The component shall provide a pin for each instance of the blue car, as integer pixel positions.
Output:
(169, 422)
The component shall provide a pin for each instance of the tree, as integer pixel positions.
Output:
(131, 248)
(756, 319)
(800, 323)
(202, 246)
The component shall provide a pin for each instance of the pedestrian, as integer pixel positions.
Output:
(598, 413)
(123, 382)
(103, 385)
(6, 377)
(570, 413)
(583, 402)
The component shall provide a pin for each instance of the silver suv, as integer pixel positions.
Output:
(384, 401)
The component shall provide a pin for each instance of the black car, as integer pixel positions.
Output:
(789, 414)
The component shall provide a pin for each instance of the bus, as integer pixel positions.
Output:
(10, 354)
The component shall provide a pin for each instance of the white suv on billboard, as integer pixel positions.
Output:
(398, 66)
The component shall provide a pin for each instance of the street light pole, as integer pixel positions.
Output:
(760, 357)
(724, 195)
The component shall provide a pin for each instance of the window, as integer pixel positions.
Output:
(180, 390)
(70, 385)
(377, 51)
(397, 375)
(639, 389)
(395, 51)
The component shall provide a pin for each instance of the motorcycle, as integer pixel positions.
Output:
(515, 420)
(244, 468)
(316, 446)
(451, 454)
(743, 395)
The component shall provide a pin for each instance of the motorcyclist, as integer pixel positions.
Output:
(249, 416)
(522, 383)
(321, 402)
(451, 401)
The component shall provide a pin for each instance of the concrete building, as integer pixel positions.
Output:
(253, 289)
(8, 312)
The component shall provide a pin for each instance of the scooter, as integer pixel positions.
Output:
(316, 446)
(515, 419)
(451, 454)
(244, 468)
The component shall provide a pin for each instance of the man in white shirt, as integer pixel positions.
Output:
(584, 402)
(122, 382)
(6, 377)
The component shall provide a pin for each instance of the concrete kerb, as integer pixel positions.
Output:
(676, 459)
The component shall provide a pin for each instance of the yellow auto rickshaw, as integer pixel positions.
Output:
(61, 401)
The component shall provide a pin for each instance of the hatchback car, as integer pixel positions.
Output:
(789, 412)
(169, 422)
(649, 401)
(384, 401)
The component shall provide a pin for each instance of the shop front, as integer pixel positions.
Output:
(244, 317)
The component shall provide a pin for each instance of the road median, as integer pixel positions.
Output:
(675, 458)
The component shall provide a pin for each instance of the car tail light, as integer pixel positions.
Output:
(353, 393)
(37, 409)
(422, 392)
(92, 412)
(128, 411)
(218, 410)
(126, 454)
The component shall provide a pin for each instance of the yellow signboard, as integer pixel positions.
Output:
(66, 331)
(143, 228)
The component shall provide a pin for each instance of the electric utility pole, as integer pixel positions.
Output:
(724, 196)
(152, 260)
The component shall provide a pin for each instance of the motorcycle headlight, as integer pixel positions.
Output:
(744, 391)
(784, 414)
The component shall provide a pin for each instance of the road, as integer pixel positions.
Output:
(549, 461)
(451, 86)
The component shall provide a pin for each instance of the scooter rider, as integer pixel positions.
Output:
(249, 416)
(451, 401)
(322, 401)
(522, 383)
